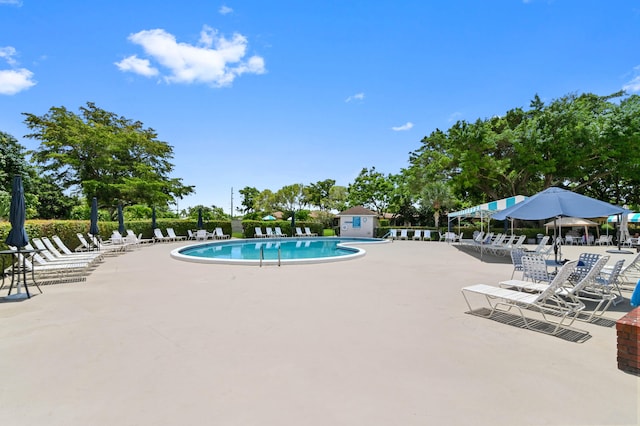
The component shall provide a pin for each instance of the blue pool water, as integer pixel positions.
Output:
(274, 250)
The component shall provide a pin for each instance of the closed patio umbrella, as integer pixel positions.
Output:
(200, 221)
(121, 228)
(93, 226)
(17, 235)
(153, 218)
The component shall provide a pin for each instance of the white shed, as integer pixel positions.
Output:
(358, 222)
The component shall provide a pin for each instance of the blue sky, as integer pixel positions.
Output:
(270, 93)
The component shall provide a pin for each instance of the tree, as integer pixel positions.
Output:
(291, 198)
(112, 158)
(249, 197)
(319, 194)
(372, 190)
(437, 196)
(12, 163)
(338, 198)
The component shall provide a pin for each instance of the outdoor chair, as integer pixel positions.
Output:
(172, 235)
(219, 234)
(555, 310)
(157, 236)
(417, 235)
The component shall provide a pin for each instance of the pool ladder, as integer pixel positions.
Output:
(262, 256)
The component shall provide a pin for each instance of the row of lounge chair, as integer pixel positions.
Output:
(502, 245)
(203, 234)
(277, 232)
(403, 234)
(560, 297)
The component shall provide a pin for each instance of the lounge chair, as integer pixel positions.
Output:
(190, 235)
(555, 310)
(219, 234)
(279, 232)
(172, 234)
(403, 234)
(47, 249)
(202, 235)
(157, 236)
(93, 245)
(308, 232)
(259, 233)
(575, 294)
(629, 274)
(516, 260)
(136, 240)
(417, 235)
(66, 254)
(55, 271)
(270, 233)
(299, 232)
(541, 245)
(393, 234)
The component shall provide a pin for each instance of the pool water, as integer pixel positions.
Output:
(274, 250)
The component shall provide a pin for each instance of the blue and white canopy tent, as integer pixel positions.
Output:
(486, 210)
(631, 218)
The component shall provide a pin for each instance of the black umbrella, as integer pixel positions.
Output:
(18, 235)
(93, 227)
(153, 218)
(293, 222)
(200, 222)
(121, 228)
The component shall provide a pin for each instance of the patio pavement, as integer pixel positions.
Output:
(379, 340)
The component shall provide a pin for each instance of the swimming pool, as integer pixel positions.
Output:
(275, 250)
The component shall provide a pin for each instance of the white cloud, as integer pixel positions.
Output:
(138, 66)
(225, 10)
(356, 97)
(12, 2)
(7, 53)
(408, 125)
(455, 116)
(14, 81)
(634, 84)
(216, 60)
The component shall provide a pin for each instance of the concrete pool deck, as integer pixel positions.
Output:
(379, 340)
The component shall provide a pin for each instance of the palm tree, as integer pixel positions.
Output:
(437, 196)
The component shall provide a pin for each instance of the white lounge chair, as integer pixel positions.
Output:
(202, 235)
(554, 309)
(279, 233)
(66, 253)
(219, 234)
(49, 251)
(629, 274)
(393, 234)
(172, 235)
(157, 236)
(269, 232)
(308, 233)
(417, 235)
(258, 233)
(94, 245)
(587, 289)
(299, 232)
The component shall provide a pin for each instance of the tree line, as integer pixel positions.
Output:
(587, 143)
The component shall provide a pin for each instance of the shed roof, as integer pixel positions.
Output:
(357, 211)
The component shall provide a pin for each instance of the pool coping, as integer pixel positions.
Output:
(358, 252)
